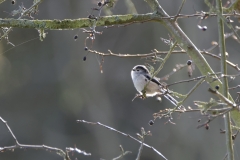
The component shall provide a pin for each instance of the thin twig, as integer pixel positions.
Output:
(9, 129)
(224, 99)
(218, 57)
(190, 110)
(18, 145)
(124, 134)
(238, 86)
(121, 156)
(140, 150)
(27, 11)
(188, 80)
(123, 153)
(219, 74)
(212, 117)
(165, 58)
(69, 149)
(179, 10)
(142, 137)
(216, 110)
(44, 147)
(156, 115)
(235, 66)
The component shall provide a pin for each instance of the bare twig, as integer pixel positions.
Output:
(123, 153)
(179, 10)
(218, 57)
(188, 80)
(124, 134)
(235, 66)
(27, 11)
(165, 59)
(224, 99)
(69, 149)
(216, 110)
(170, 111)
(18, 145)
(141, 147)
(212, 117)
(210, 112)
(140, 151)
(238, 86)
(44, 147)
(121, 156)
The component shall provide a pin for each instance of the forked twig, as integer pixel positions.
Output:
(124, 134)
(44, 147)
(27, 11)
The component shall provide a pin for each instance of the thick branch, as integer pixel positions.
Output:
(102, 21)
(222, 47)
(77, 23)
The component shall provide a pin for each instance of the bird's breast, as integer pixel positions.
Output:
(139, 81)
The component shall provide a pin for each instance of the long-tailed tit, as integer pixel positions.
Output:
(144, 82)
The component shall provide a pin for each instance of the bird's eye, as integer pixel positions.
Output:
(137, 69)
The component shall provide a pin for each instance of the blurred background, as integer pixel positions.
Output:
(46, 86)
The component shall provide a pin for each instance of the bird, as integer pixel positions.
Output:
(148, 85)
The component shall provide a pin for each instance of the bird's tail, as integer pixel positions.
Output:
(170, 98)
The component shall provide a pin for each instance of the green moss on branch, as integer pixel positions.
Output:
(67, 24)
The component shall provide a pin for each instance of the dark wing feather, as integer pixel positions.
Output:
(153, 79)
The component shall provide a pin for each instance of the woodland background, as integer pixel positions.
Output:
(46, 86)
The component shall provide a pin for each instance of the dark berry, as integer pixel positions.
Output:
(207, 127)
(75, 37)
(86, 48)
(204, 28)
(84, 58)
(151, 122)
(217, 87)
(234, 137)
(189, 62)
(99, 4)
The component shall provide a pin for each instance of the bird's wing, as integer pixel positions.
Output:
(153, 79)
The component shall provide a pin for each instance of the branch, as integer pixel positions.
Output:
(18, 145)
(123, 153)
(212, 117)
(27, 11)
(1, 1)
(191, 50)
(69, 24)
(165, 58)
(224, 99)
(69, 149)
(170, 111)
(44, 147)
(227, 119)
(156, 52)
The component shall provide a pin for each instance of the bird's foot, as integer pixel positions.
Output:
(139, 96)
